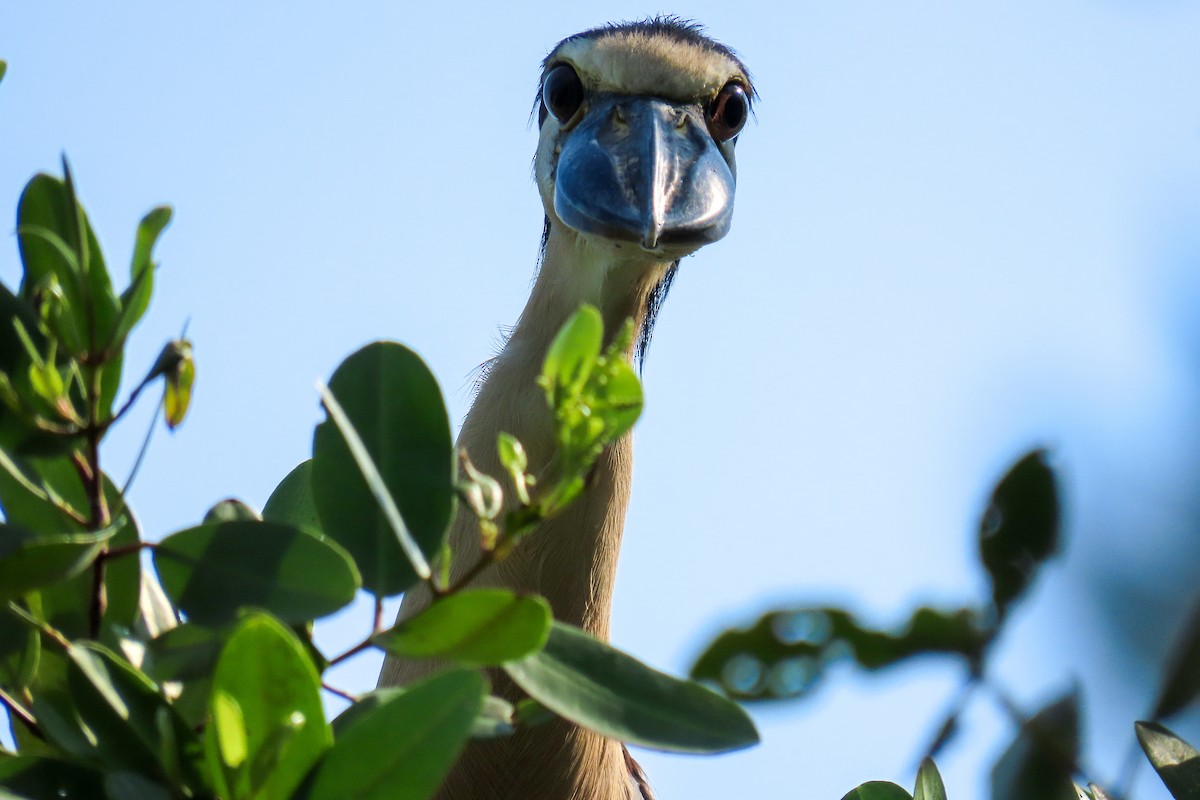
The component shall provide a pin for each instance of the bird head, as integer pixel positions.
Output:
(638, 123)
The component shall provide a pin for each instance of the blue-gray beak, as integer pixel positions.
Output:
(644, 170)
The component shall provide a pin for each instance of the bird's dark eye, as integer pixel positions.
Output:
(727, 113)
(562, 92)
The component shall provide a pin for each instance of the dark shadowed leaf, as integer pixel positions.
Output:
(231, 510)
(126, 784)
(929, 782)
(1176, 761)
(18, 433)
(292, 502)
(268, 726)
(1019, 530)
(29, 561)
(785, 653)
(393, 402)
(878, 790)
(47, 779)
(66, 605)
(212, 571)
(402, 747)
(185, 652)
(599, 687)
(20, 649)
(481, 627)
(1182, 682)
(1038, 765)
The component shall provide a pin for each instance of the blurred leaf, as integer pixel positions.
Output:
(1176, 761)
(178, 396)
(479, 627)
(292, 502)
(601, 688)
(29, 561)
(929, 782)
(20, 649)
(878, 790)
(212, 571)
(3, 68)
(123, 784)
(268, 724)
(1097, 792)
(53, 281)
(394, 403)
(1038, 765)
(515, 461)
(122, 716)
(402, 748)
(186, 652)
(136, 298)
(66, 606)
(785, 653)
(1181, 683)
(47, 779)
(231, 510)
(495, 719)
(1019, 530)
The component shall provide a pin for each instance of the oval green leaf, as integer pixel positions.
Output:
(212, 571)
(599, 687)
(403, 747)
(292, 502)
(1175, 761)
(481, 627)
(395, 405)
(878, 790)
(268, 725)
(29, 561)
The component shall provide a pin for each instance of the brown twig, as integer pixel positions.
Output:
(17, 711)
(339, 692)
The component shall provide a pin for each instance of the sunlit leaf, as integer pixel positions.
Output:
(478, 627)
(572, 354)
(178, 396)
(929, 782)
(1038, 765)
(599, 687)
(1019, 530)
(136, 298)
(402, 748)
(212, 571)
(231, 510)
(1176, 761)
(394, 404)
(268, 723)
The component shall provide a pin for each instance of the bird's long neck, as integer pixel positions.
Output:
(571, 559)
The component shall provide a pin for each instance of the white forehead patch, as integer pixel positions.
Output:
(637, 62)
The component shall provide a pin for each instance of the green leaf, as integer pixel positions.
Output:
(785, 653)
(184, 653)
(29, 561)
(1175, 761)
(495, 719)
(231, 510)
(394, 403)
(212, 571)
(573, 353)
(1039, 763)
(24, 490)
(39, 778)
(1181, 682)
(123, 717)
(178, 396)
(1019, 530)
(929, 782)
(878, 790)
(292, 502)
(599, 687)
(268, 727)
(3, 68)
(403, 747)
(125, 784)
(136, 298)
(481, 627)
(20, 650)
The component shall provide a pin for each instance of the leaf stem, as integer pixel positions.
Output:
(18, 711)
(339, 692)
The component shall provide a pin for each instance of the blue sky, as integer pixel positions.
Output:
(962, 230)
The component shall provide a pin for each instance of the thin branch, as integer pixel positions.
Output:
(340, 693)
(128, 404)
(365, 644)
(378, 614)
(126, 550)
(137, 463)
